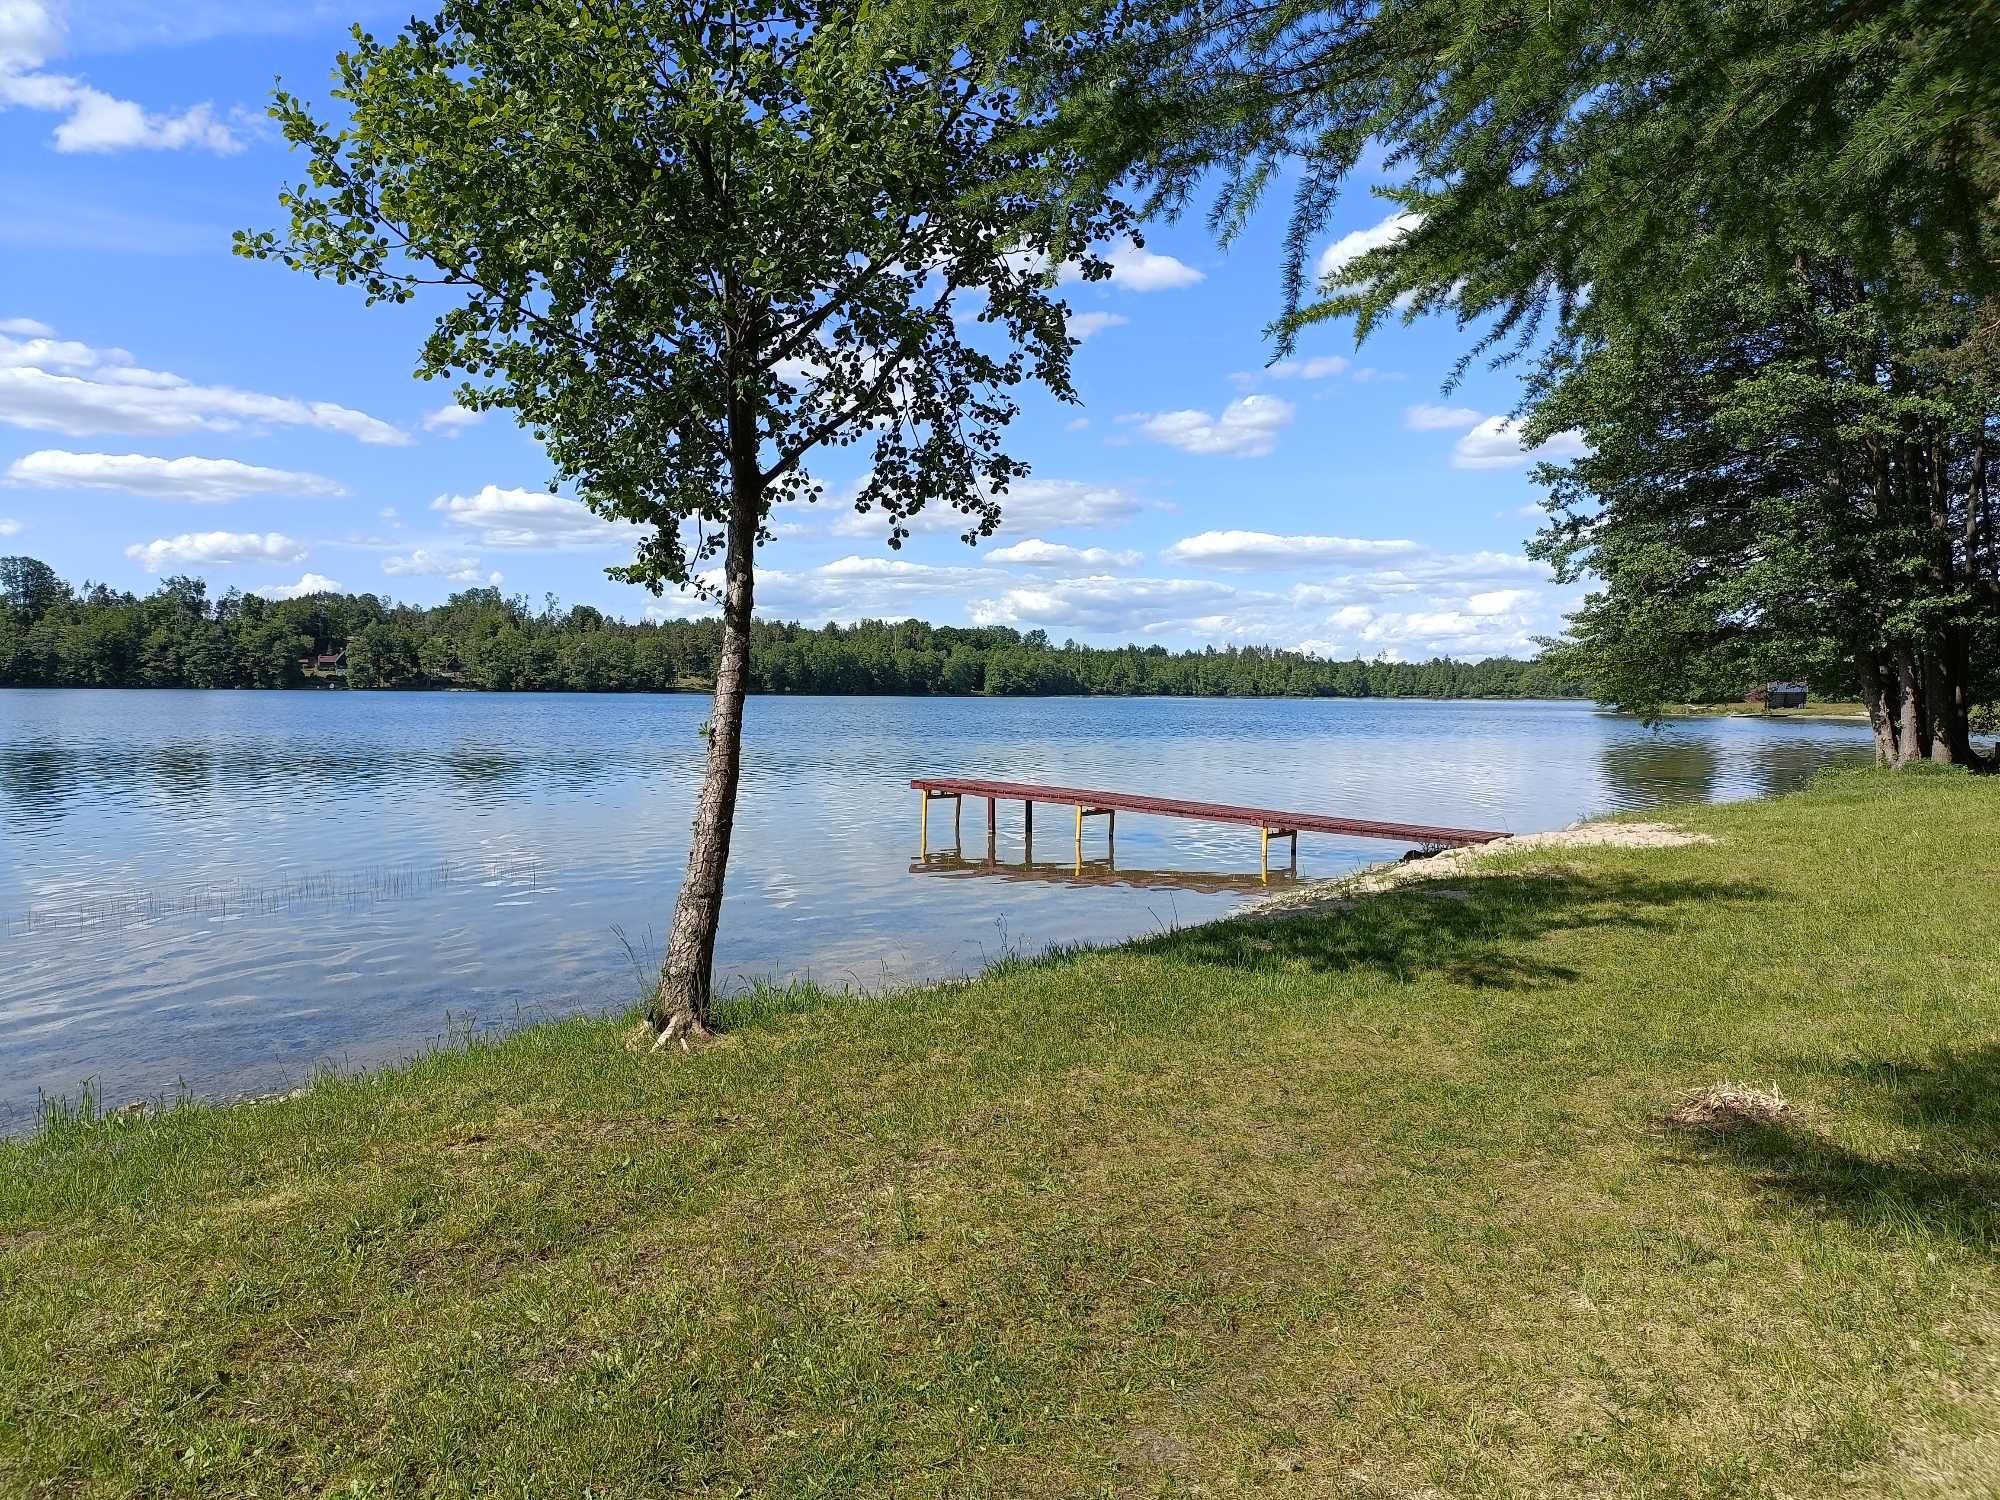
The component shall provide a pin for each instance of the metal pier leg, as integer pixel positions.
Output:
(957, 807)
(1111, 835)
(992, 831)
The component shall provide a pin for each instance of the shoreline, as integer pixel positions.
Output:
(1396, 1180)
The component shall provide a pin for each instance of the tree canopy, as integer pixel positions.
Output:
(692, 248)
(1746, 252)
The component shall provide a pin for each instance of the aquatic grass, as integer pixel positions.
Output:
(1371, 1202)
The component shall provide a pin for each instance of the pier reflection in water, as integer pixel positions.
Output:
(1099, 871)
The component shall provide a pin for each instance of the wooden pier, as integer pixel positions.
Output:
(1272, 823)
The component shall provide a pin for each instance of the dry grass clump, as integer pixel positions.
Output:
(1727, 1106)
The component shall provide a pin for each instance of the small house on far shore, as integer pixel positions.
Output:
(1780, 694)
(325, 664)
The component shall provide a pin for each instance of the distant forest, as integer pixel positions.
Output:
(54, 635)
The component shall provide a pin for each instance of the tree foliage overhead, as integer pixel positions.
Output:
(1747, 249)
(1544, 151)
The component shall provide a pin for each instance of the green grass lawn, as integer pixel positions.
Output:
(1375, 1202)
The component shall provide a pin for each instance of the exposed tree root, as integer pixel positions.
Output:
(684, 1027)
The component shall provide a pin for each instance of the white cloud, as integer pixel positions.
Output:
(1498, 601)
(1319, 367)
(203, 480)
(93, 121)
(1083, 325)
(1033, 552)
(1102, 604)
(1028, 505)
(533, 520)
(423, 563)
(1496, 444)
(1076, 424)
(63, 386)
(1351, 247)
(26, 328)
(1140, 270)
(451, 420)
(198, 548)
(1427, 416)
(1264, 549)
(9, 526)
(1247, 428)
(1403, 603)
(311, 583)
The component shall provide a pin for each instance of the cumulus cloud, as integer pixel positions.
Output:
(1351, 247)
(55, 385)
(1495, 443)
(309, 584)
(1033, 552)
(1319, 367)
(450, 421)
(532, 520)
(202, 480)
(1246, 428)
(31, 34)
(1133, 267)
(1102, 604)
(26, 328)
(420, 562)
(1498, 601)
(1028, 505)
(202, 548)
(1264, 549)
(1140, 270)
(9, 526)
(1083, 325)
(1428, 416)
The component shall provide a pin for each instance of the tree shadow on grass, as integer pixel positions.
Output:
(1473, 932)
(1946, 1183)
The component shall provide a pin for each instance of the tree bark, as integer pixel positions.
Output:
(1909, 709)
(1938, 705)
(680, 1008)
(1868, 666)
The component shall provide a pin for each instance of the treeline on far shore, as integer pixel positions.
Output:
(53, 635)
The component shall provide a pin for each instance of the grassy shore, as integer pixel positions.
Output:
(1371, 1202)
(1831, 709)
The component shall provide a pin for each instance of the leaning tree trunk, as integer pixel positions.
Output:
(680, 1008)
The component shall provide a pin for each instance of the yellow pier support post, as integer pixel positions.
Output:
(924, 823)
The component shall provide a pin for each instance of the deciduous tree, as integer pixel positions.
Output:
(693, 247)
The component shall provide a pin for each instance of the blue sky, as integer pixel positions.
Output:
(168, 408)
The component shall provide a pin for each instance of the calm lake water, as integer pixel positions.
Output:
(226, 890)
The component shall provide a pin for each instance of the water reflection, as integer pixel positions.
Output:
(228, 888)
(1104, 871)
(1664, 767)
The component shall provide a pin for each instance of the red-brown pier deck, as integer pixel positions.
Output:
(1089, 802)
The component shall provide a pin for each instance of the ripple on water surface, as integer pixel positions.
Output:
(227, 889)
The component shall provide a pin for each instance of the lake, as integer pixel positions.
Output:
(223, 891)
